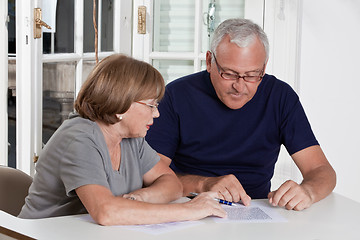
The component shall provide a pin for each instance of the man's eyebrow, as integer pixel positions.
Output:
(254, 71)
(247, 72)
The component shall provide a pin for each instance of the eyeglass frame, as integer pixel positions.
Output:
(238, 76)
(153, 107)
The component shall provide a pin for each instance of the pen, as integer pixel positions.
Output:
(218, 200)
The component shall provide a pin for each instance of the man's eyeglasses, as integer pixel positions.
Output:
(231, 76)
(153, 107)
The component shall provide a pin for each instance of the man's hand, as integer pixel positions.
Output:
(228, 187)
(319, 180)
(292, 196)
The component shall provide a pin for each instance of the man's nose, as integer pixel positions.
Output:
(239, 85)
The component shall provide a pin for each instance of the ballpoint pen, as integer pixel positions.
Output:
(218, 200)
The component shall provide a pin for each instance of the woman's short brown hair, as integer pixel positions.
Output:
(114, 84)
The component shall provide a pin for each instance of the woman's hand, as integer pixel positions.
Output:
(204, 205)
(200, 207)
(136, 195)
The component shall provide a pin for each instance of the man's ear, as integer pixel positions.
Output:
(208, 60)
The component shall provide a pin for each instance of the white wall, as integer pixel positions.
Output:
(330, 84)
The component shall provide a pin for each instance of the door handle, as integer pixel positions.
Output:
(141, 20)
(38, 23)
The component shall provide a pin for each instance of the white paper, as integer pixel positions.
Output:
(256, 212)
(150, 228)
(162, 227)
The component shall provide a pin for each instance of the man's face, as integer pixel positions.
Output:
(243, 61)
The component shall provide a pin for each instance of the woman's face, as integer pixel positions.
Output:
(138, 119)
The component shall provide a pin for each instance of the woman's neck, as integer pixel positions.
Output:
(112, 139)
(111, 134)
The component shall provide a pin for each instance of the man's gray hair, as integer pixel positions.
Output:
(242, 32)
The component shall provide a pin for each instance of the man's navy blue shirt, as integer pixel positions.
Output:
(204, 137)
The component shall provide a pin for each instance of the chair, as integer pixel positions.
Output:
(14, 187)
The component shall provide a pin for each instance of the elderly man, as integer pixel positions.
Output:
(221, 129)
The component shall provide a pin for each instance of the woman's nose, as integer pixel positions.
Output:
(156, 113)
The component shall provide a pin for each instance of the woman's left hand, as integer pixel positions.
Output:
(136, 195)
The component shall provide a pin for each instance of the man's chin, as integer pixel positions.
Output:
(235, 104)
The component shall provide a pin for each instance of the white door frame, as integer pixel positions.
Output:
(3, 83)
(283, 27)
(28, 87)
(142, 41)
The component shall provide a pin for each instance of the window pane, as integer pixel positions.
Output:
(58, 95)
(64, 35)
(87, 68)
(174, 25)
(173, 69)
(89, 33)
(11, 26)
(105, 30)
(11, 101)
(224, 9)
(203, 65)
(107, 25)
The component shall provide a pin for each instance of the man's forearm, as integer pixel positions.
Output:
(320, 182)
(191, 183)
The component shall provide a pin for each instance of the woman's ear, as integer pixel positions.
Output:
(119, 116)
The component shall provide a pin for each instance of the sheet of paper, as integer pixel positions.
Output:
(150, 228)
(162, 227)
(256, 212)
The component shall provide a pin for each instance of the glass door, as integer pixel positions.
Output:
(50, 70)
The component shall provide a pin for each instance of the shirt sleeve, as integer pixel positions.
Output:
(148, 157)
(296, 132)
(82, 164)
(163, 136)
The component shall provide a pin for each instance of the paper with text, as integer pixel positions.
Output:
(257, 212)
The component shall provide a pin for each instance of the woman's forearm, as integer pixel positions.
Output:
(135, 212)
(164, 189)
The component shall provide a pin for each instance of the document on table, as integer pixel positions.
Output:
(162, 227)
(256, 212)
(150, 228)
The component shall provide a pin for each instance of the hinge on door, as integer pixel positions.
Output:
(35, 158)
(141, 20)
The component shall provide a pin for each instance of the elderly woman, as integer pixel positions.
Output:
(98, 161)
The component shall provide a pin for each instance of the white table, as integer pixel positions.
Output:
(335, 217)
